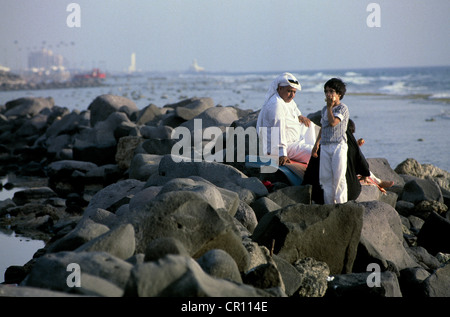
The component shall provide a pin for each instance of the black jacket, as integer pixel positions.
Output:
(356, 164)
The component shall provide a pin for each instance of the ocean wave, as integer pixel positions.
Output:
(440, 95)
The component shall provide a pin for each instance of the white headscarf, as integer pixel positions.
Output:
(285, 79)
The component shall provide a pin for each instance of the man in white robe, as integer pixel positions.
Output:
(289, 134)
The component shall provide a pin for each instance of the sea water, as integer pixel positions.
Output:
(14, 249)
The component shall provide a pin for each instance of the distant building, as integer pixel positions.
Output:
(132, 67)
(44, 59)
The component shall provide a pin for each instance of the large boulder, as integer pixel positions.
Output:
(119, 242)
(434, 235)
(113, 195)
(60, 175)
(217, 197)
(381, 238)
(437, 284)
(191, 108)
(327, 233)
(181, 276)
(52, 271)
(222, 175)
(188, 217)
(357, 285)
(142, 166)
(291, 195)
(221, 117)
(27, 106)
(412, 167)
(99, 144)
(84, 231)
(69, 124)
(104, 105)
(380, 168)
(419, 189)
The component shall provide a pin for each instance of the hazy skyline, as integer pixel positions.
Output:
(231, 35)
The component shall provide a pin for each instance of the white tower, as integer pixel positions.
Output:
(132, 67)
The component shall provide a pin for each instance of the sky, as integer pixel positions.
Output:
(228, 35)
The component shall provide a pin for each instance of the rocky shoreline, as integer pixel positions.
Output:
(13, 82)
(109, 197)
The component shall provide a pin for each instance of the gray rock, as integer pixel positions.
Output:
(102, 216)
(91, 285)
(414, 168)
(436, 285)
(143, 197)
(382, 238)
(33, 127)
(82, 233)
(328, 233)
(180, 277)
(221, 117)
(58, 146)
(147, 114)
(142, 166)
(404, 208)
(264, 276)
(50, 271)
(422, 257)
(291, 276)
(125, 150)
(32, 194)
(119, 242)
(423, 208)
(102, 106)
(246, 216)
(380, 168)
(291, 195)
(161, 247)
(434, 235)
(421, 189)
(69, 124)
(60, 175)
(186, 216)
(161, 132)
(263, 205)
(313, 277)
(220, 264)
(158, 146)
(113, 193)
(221, 175)
(218, 198)
(27, 106)
(369, 193)
(411, 281)
(194, 108)
(99, 144)
(356, 285)
(22, 291)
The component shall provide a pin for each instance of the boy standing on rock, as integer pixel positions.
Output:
(333, 153)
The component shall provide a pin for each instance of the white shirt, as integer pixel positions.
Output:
(284, 116)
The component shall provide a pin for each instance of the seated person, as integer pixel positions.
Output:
(289, 134)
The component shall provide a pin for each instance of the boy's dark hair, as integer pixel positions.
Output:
(338, 85)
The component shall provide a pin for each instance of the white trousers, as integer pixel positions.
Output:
(333, 166)
(300, 151)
